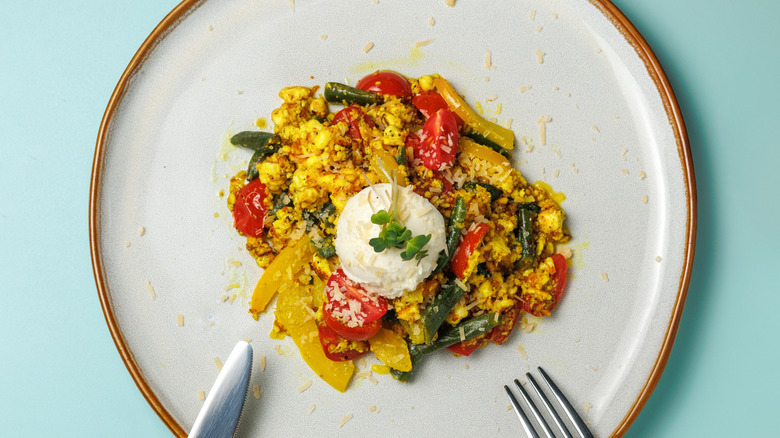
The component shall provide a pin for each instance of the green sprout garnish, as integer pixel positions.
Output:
(394, 234)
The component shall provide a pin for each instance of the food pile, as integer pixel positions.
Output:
(395, 225)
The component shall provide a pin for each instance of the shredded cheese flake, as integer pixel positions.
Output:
(604, 276)
(179, 319)
(349, 416)
(256, 391)
(201, 395)
(644, 199)
(311, 409)
(539, 56)
(305, 386)
(218, 363)
(449, 3)
(542, 122)
(658, 259)
(262, 363)
(523, 354)
(150, 290)
(368, 47)
(423, 43)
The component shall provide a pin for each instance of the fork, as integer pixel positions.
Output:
(575, 419)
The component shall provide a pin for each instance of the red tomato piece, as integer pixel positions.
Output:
(249, 210)
(470, 242)
(329, 339)
(560, 275)
(509, 318)
(465, 348)
(537, 308)
(353, 115)
(438, 144)
(357, 333)
(428, 102)
(386, 82)
(350, 310)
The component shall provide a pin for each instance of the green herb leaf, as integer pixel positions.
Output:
(381, 217)
(378, 244)
(414, 246)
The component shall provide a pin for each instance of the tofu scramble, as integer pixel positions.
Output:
(426, 189)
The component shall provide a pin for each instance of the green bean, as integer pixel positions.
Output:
(251, 169)
(449, 335)
(340, 93)
(494, 191)
(437, 310)
(454, 228)
(255, 140)
(525, 232)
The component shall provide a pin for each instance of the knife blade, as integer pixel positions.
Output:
(220, 412)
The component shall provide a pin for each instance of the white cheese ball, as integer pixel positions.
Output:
(386, 273)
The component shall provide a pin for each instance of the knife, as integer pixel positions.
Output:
(220, 412)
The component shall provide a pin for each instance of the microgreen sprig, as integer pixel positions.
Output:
(394, 234)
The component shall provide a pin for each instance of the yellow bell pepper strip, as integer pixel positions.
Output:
(297, 322)
(498, 134)
(288, 263)
(476, 150)
(383, 164)
(391, 349)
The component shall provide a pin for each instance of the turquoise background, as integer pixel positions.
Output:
(60, 374)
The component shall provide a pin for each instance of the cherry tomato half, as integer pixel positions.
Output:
(386, 82)
(249, 210)
(329, 340)
(349, 310)
(358, 333)
(353, 116)
(470, 242)
(428, 102)
(438, 141)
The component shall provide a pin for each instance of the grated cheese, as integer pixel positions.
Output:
(311, 409)
(256, 391)
(201, 395)
(262, 363)
(218, 363)
(305, 386)
(180, 320)
(349, 416)
(542, 122)
(540, 56)
(368, 47)
(150, 289)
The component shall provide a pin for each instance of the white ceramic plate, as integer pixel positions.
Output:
(615, 146)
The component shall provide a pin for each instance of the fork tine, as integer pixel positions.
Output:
(529, 430)
(567, 407)
(548, 406)
(535, 411)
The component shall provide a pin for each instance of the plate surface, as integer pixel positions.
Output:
(164, 251)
